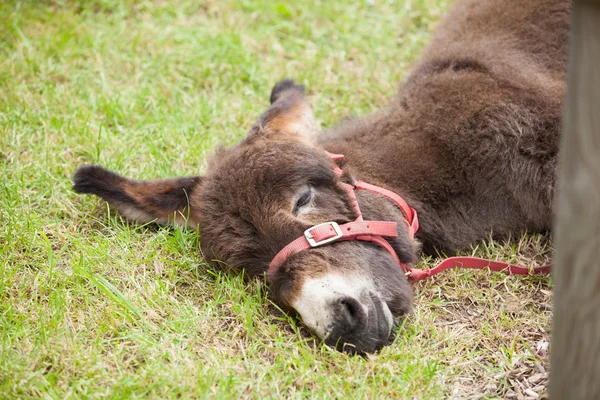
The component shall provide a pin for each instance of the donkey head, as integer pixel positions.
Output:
(263, 193)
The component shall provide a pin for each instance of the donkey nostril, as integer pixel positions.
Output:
(350, 307)
(351, 312)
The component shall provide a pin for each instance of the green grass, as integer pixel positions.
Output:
(93, 307)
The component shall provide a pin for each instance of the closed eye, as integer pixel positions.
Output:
(303, 200)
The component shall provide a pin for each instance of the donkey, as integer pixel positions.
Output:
(470, 143)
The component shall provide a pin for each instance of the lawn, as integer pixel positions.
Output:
(94, 307)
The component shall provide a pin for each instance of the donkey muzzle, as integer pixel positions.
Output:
(360, 325)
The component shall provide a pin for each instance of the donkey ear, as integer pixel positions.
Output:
(164, 201)
(289, 116)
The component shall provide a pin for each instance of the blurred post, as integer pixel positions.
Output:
(575, 354)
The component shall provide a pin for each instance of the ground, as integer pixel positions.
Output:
(94, 307)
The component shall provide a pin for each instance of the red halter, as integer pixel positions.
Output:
(367, 231)
(376, 231)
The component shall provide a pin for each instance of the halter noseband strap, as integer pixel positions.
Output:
(366, 231)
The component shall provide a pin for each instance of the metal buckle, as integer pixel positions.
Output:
(311, 239)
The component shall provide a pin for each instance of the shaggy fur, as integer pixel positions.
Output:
(470, 141)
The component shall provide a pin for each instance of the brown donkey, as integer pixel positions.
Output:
(470, 142)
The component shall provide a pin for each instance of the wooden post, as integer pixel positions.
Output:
(575, 354)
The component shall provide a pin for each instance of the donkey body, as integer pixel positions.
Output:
(470, 141)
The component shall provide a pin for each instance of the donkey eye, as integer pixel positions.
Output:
(303, 200)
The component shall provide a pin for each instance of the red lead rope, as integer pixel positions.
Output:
(375, 231)
(416, 275)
